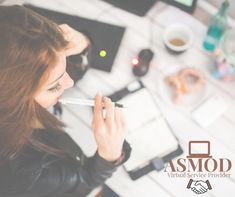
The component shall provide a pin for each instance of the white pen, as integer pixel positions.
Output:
(80, 101)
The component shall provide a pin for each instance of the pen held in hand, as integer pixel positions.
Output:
(84, 102)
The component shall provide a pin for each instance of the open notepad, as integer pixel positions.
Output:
(148, 132)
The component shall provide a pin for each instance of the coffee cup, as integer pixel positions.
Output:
(178, 37)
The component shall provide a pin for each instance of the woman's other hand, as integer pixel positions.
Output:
(110, 131)
(77, 41)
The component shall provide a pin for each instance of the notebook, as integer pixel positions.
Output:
(150, 136)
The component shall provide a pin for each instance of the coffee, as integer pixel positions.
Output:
(177, 42)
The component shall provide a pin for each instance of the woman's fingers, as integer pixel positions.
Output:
(64, 28)
(114, 117)
(123, 120)
(117, 117)
(109, 107)
(77, 41)
(98, 108)
(110, 131)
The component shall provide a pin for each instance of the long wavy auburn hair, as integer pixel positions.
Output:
(29, 44)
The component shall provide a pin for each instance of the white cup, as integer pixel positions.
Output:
(178, 37)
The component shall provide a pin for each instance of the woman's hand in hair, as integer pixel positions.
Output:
(77, 41)
(109, 131)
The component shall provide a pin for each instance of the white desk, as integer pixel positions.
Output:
(221, 134)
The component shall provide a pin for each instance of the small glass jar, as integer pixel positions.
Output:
(225, 57)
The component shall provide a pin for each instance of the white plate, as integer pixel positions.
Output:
(189, 100)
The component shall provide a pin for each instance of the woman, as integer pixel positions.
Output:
(36, 157)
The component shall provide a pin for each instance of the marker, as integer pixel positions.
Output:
(84, 102)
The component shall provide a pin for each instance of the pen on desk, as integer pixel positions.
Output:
(85, 102)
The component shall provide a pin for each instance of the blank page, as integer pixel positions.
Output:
(140, 109)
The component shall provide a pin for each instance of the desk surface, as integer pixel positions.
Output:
(221, 133)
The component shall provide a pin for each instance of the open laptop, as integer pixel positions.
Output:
(203, 146)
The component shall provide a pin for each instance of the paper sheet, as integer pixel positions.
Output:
(142, 109)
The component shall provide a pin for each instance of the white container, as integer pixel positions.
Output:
(178, 37)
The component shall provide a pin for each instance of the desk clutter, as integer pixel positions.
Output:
(152, 138)
(178, 37)
(121, 30)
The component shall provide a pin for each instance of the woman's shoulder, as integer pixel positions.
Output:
(31, 155)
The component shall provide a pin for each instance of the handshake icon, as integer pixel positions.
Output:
(199, 186)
